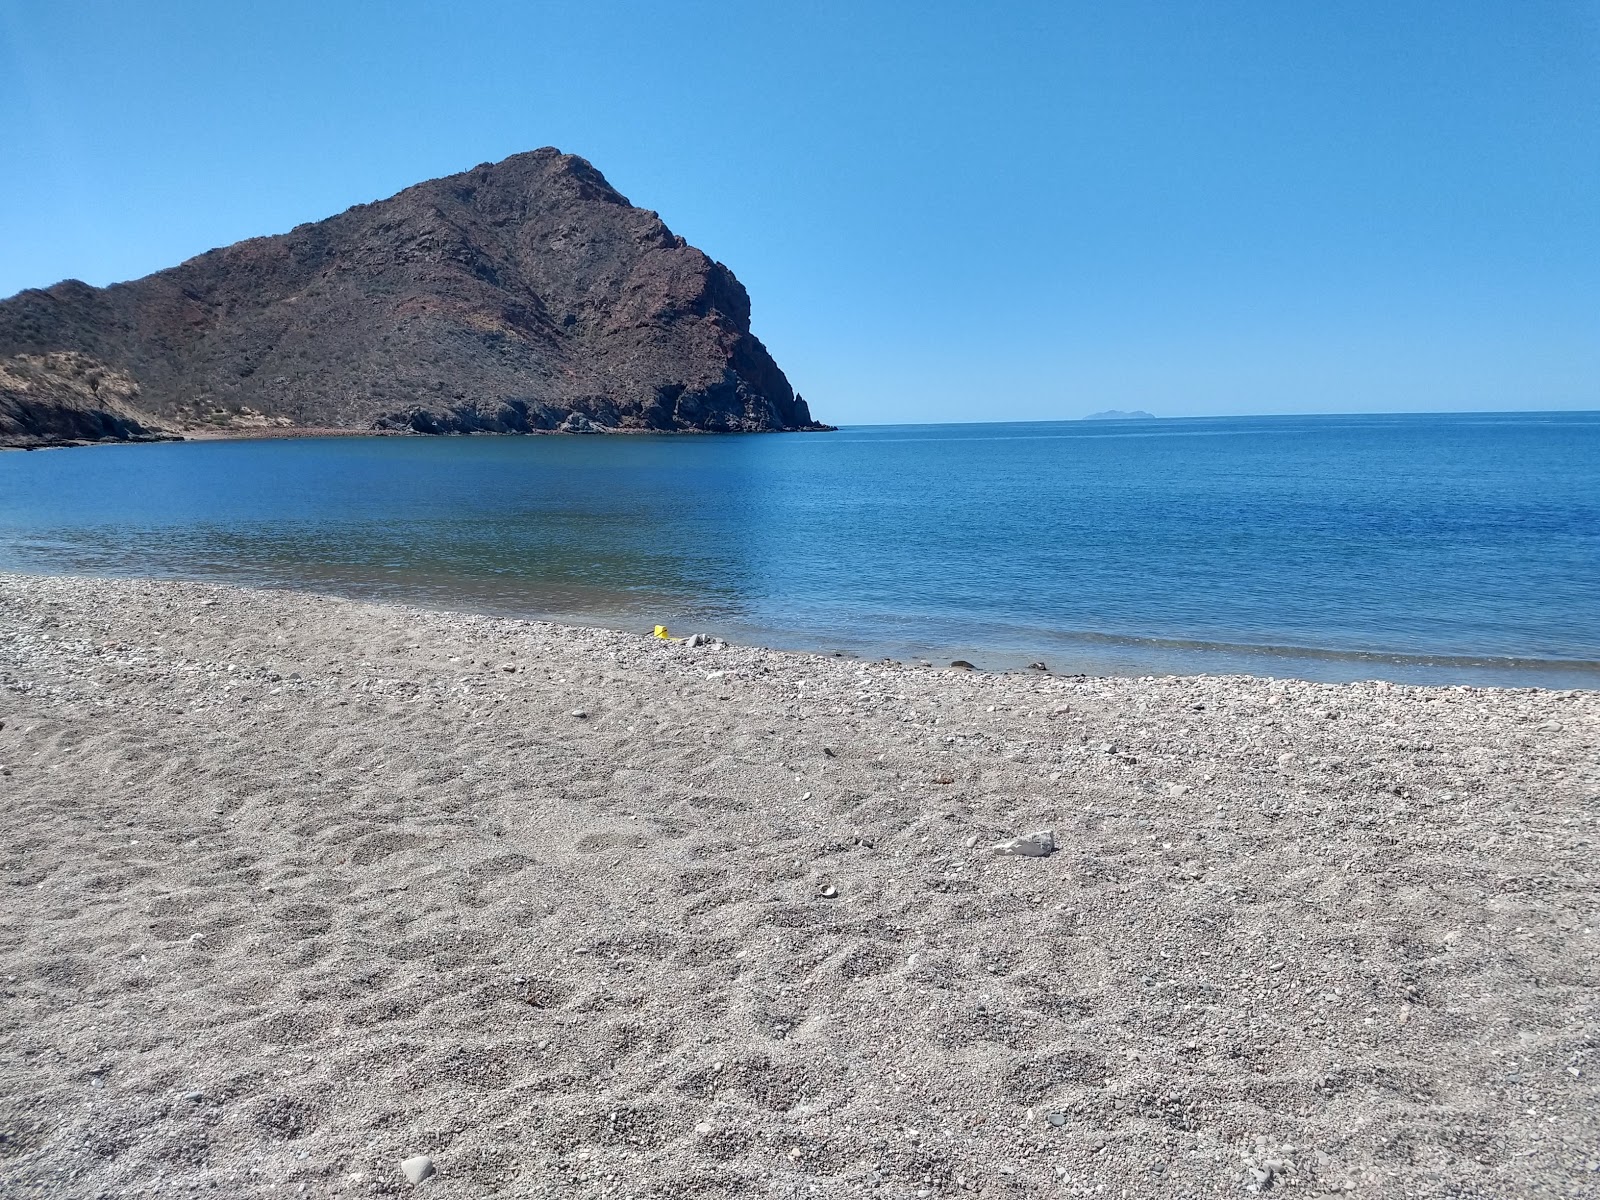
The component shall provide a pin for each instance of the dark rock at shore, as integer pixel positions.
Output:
(521, 296)
(65, 399)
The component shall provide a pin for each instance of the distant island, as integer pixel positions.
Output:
(1116, 414)
(518, 297)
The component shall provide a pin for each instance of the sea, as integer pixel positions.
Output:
(1442, 549)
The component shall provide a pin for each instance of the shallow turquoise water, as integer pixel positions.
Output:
(1431, 548)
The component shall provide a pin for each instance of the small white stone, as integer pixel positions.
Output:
(416, 1168)
(1028, 845)
(703, 1128)
(579, 713)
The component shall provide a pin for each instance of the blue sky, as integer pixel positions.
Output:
(942, 211)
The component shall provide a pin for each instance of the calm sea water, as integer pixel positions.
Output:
(1459, 549)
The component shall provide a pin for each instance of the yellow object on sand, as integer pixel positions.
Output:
(661, 632)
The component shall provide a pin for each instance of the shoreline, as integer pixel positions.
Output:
(249, 433)
(301, 886)
(1070, 653)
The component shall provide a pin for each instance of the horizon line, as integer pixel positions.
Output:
(1463, 412)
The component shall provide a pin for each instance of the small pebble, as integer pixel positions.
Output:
(579, 713)
(1028, 845)
(416, 1168)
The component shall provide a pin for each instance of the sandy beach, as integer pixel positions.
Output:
(297, 888)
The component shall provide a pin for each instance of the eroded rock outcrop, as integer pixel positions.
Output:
(66, 398)
(518, 296)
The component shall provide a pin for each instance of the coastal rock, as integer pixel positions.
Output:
(66, 397)
(521, 296)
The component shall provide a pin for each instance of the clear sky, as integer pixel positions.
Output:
(943, 211)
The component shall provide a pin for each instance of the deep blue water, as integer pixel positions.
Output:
(1461, 548)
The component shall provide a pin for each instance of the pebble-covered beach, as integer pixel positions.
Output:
(309, 897)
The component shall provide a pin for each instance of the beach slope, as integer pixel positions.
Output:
(297, 888)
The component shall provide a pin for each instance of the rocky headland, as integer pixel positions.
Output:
(521, 296)
(66, 398)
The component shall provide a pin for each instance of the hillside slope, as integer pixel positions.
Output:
(517, 296)
(65, 398)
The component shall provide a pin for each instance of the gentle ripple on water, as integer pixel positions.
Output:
(1460, 548)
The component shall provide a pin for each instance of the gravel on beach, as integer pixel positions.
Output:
(309, 896)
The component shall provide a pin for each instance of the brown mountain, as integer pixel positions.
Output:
(518, 296)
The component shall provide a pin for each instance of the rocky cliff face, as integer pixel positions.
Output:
(518, 296)
(66, 398)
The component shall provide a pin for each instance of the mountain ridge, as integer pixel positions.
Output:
(526, 295)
